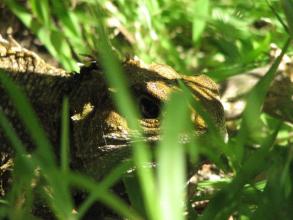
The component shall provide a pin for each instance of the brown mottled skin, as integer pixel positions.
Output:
(100, 136)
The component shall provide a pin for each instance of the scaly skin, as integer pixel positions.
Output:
(100, 135)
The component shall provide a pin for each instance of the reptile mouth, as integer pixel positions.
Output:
(115, 141)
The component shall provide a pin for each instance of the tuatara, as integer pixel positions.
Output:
(100, 137)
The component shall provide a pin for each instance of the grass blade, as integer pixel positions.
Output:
(201, 15)
(171, 159)
(65, 136)
(251, 121)
(288, 9)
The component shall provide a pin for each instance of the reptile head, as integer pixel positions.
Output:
(102, 137)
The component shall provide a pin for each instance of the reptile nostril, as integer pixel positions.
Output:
(149, 108)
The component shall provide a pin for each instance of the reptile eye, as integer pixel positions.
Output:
(149, 108)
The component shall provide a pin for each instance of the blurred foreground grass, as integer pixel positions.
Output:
(219, 38)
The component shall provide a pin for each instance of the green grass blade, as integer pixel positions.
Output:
(10, 133)
(288, 10)
(67, 18)
(99, 192)
(171, 158)
(65, 136)
(201, 15)
(104, 185)
(48, 34)
(251, 120)
(134, 193)
(278, 16)
(41, 10)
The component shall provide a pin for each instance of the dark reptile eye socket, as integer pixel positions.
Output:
(149, 108)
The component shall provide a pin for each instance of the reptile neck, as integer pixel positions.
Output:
(43, 89)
